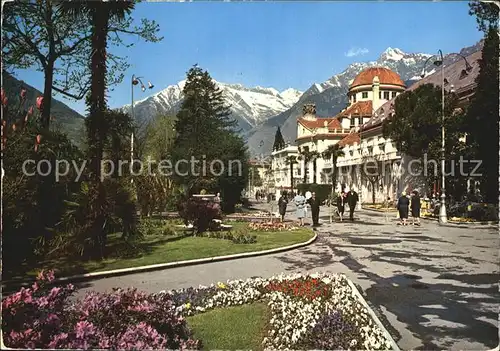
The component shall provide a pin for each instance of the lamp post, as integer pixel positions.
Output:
(439, 61)
(135, 81)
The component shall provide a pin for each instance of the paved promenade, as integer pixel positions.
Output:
(434, 287)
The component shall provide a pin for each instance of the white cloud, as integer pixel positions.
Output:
(356, 52)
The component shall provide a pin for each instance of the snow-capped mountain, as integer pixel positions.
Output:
(250, 107)
(330, 95)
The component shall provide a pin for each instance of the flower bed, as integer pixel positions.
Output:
(123, 319)
(272, 226)
(316, 311)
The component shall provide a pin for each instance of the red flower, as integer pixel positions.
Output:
(38, 139)
(39, 102)
(30, 111)
(23, 93)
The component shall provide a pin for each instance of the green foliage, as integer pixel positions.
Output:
(332, 153)
(323, 191)
(200, 213)
(482, 117)
(32, 203)
(206, 133)
(415, 128)
(486, 14)
(279, 142)
(159, 137)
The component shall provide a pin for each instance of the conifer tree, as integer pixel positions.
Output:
(279, 142)
(482, 117)
(205, 132)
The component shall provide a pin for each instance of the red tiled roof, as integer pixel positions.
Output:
(332, 123)
(453, 73)
(350, 139)
(385, 75)
(360, 108)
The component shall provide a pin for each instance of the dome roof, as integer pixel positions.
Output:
(385, 75)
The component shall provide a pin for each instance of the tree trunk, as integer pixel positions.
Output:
(48, 70)
(97, 128)
(291, 177)
(314, 171)
(305, 172)
(47, 95)
(373, 193)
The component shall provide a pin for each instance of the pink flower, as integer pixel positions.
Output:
(39, 102)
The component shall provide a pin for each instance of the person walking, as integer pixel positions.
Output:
(282, 203)
(341, 204)
(315, 204)
(300, 202)
(415, 207)
(352, 200)
(403, 205)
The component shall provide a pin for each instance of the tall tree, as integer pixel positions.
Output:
(204, 132)
(333, 152)
(482, 117)
(486, 14)
(306, 156)
(36, 34)
(290, 161)
(279, 142)
(415, 128)
(102, 16)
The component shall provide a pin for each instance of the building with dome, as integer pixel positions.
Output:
(357, 130)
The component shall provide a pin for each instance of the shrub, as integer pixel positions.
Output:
(122, 319)
(200, 213)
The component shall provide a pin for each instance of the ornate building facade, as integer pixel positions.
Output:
(358, 132)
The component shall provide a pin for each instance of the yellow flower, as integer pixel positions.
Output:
(188, 306)
(221, 285)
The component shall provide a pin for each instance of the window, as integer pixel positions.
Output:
(386, 95)
(393, 94)
(354, 98)
(360, 120)
(380, 95)
(365, 95)
(352, 122)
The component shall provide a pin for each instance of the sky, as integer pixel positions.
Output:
(279, 44)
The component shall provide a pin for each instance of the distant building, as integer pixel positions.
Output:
(260, 177)
(281, 169)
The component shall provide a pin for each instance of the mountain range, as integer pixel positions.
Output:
(250, 107)
(259, 111)
(330, 96)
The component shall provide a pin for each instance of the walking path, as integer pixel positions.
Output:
(434, 287)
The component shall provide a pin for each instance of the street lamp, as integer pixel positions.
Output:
(135, 81)
(439, 61)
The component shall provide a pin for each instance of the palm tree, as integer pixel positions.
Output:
(333, 152)
(314, 157)
(291, 160)
(100, 13)
(306, 157)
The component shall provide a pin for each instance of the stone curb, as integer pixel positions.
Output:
(465, 225)
(159, 266)
(373, 315)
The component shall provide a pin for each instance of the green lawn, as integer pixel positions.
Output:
(238, 327)
(158, 248)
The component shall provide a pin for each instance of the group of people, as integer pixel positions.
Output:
(405, 203)
(304, 199)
